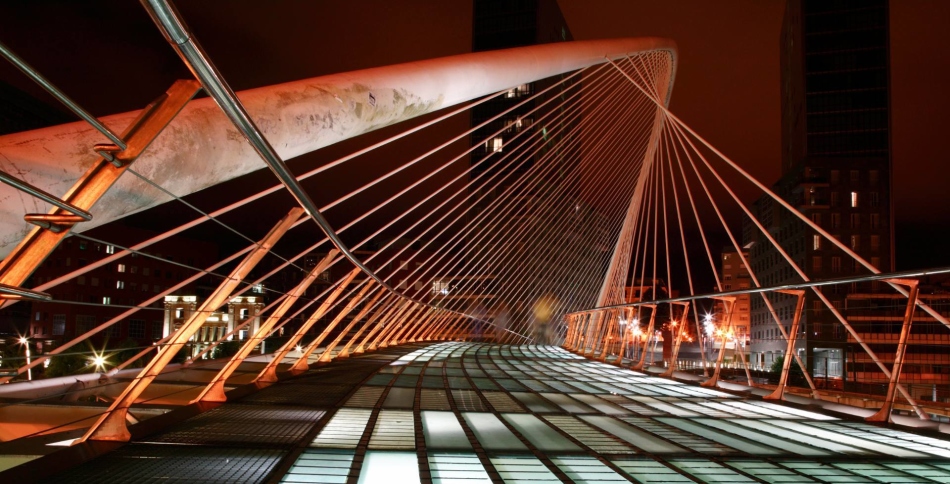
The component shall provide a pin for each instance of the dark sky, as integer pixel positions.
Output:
(109, 56)
(727, 89)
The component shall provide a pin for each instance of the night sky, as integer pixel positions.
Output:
(109, 56)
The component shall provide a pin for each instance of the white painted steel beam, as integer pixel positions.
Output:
(201, 148)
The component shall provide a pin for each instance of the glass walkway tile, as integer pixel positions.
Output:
(443, 431)
(636, 437)
(382, 467)
(709, 471)
(592, 437)
(586, 470)
(321, 466)
(502, 402)
(767, 472)
(598, 402)
(679, 437)
(395, 430)
(523, 469)
(723, 438)
(456, 468)
(539, 433)
(491, 433)
(344, 429)
(879, 473)
(790, 446)
(649, 471)
(834, 435)
(365, 396)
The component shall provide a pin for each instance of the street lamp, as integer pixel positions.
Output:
(26, 344)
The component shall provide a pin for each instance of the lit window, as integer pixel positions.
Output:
(816, 242)
(120, 284)
(106, 300)
(110, 249)
(121, 268)
(497, 144)
(244, 314)
(440, 287)
(854, 199)
(855, 242)
(179, 313)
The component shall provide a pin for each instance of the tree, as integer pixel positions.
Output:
(795, 376)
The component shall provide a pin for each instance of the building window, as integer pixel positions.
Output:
(325, 276)
(158, 331)
(855, 220)
(855, 242)
(146, 271)
(834, 199)
(854, 199)
(873, 177)
(136, 328)
(875, 221)
(84, 323)
(816, 218)
(179, 313)
(876, 262)
(110, 249)
(816, 242)
(134, 269)
(59, 324)
(855, 176)
(875, 242)
(121, 267)
(120, 284)
(835, 176)
(497, 144)
(243, 314)
(836, 220)
(816, 263)
(440, 287)
(106, 300)
(874, 199)
(836, 264)
(81, 280)
(94, 281)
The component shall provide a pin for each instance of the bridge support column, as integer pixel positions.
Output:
(678, 339)
(884, 414)
(269, 373)
(112, 424)
(301, 365)
(326, 355)
(214, 392)
(779, 393)
(729, 302)
(649, 335)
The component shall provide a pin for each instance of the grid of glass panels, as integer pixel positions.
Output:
(469, 412)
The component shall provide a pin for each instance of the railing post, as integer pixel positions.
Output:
(779, 393)
(649, 334)
(884, 414)
(729, 302)
(678, 340)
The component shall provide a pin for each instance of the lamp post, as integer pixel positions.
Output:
(26, 344)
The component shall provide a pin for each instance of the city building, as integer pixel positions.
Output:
(83, 302)
(836, 169)
(735, 276)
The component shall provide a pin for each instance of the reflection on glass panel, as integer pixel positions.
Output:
(400, 398)
(443, 431)
(780, 431)
(766, 439)
(587, 435)
(502, 402)
(535, 403)
(878, 472)
(539, 433)
(638, 438)
(448, 468)
(721, 437)
(325, 466)
(846, 439)
(650, 471)
(381, 467)
(601, 405)
(766, 471)
(525, 469)
(394, 430)
(586, 470)
(344, 430)
(365, 397)
(491, 433)
(889, 436)
(709, 471)
(567, 403)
